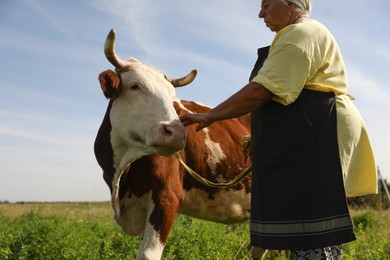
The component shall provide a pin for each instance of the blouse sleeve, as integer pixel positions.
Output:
(285, 72)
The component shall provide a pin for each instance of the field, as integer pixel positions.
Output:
(88, 231)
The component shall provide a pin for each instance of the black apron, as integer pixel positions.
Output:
(298, 198)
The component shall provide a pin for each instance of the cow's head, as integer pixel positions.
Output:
(142, 114)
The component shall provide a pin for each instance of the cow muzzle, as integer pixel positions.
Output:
(171, 137)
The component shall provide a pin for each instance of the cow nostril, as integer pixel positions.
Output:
(167, 131)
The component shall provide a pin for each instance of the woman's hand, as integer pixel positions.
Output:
(201, 118)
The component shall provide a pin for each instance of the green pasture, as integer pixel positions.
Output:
(88, 231)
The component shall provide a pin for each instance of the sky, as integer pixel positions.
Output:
(51, 53)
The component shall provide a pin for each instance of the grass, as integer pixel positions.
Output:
(87, 231)
(96, 211)
(372, 229)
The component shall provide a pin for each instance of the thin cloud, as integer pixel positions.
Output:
(51, 19)
(366, 88)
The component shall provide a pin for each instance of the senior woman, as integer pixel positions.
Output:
(310, 147)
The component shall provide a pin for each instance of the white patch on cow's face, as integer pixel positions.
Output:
(216, 153)
(143, 116)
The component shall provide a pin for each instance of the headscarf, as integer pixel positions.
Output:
(303, 5)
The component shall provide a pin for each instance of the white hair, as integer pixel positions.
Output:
(302, 5)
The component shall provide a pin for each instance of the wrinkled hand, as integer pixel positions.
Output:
(200, 118)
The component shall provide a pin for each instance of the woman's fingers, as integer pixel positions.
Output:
(200, 118)
(187, 119)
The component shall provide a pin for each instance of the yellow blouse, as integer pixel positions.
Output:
(306, 55)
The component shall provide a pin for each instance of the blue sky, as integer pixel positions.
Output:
(51, 53)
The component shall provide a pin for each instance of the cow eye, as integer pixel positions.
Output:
(134, 87)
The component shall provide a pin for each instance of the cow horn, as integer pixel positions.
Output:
(180, 82)
(109, 51)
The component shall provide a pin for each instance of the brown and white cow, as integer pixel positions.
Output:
(142, 126)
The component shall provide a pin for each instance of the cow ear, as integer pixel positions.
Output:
(110, 82)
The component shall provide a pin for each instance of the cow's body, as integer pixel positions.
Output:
(155, 187)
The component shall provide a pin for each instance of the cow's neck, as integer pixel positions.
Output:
(124, 156)
(125, 153)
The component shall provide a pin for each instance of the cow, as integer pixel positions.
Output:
(135, 147)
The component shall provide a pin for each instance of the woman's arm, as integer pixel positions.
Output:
(246, 100)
